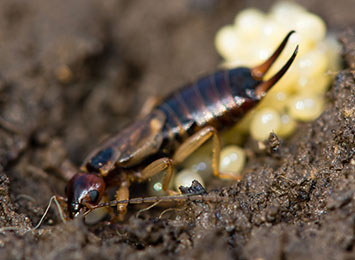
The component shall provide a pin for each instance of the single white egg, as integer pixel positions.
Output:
(249, 23)
(310, 26)
(306, 107)
(285, 11)
(186, 177)
(264, 122)
(287, 127)
(232, 160)
(228, 44)
(312, 63)
(201, 161)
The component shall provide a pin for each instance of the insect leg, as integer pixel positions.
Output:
(122, 194)
(163, 164)
(195, 141)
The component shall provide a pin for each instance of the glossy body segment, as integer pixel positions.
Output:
(216, 100)
(129, 147)
(170, 133)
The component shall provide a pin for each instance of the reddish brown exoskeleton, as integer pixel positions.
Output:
(170, 133)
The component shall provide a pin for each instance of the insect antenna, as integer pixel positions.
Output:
(168, 198)
(53, 198)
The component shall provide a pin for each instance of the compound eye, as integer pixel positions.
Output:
(94, 196)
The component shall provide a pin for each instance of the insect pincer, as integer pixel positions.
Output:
(84, 190)
(259, 72)
(247, 85)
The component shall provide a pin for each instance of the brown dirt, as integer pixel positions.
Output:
(294, 202)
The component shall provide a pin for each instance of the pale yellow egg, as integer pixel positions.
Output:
(228, 44)
(249, 23)
(274, 99)
(331, 48)
(264, 122)
(232, 160)
(317, 84)
(287, 127)
(304, 44)
(201, 161)
(288, 80)
(186, 177)
(312, 63)
(310, 26)
(272, 33)
(306, 107)
(284, 12)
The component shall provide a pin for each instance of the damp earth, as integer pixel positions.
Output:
(72, 73)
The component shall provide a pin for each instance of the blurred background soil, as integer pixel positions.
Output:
(74, 72)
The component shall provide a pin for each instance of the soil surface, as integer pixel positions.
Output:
(73, 73)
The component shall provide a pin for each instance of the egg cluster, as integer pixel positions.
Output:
(298, 96)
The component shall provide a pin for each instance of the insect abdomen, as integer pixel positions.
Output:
(218, 100)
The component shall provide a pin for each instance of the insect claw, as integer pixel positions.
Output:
(261, 89)
(259, 71)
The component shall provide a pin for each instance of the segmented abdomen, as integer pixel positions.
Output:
(214, 100)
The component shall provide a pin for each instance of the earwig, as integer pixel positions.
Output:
(168, 134)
